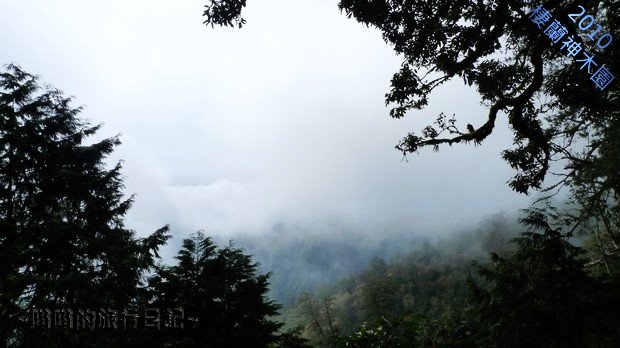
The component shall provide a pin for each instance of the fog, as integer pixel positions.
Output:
(236, 131)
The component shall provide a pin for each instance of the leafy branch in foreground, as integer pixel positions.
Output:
(493, 46)
(224, 13)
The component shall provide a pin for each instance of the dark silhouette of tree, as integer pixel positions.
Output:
(541, 83)
(224, 13)
(221, 287)
(63, 242)
(292, 339)
(495, 47)
(401, 333)
(542, 295)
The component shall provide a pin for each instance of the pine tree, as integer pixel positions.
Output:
(223, 289)
(542, 295)
(63, 242)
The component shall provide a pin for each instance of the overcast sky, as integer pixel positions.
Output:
(232, 130)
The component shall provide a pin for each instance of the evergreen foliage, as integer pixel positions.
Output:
(222, 287)
(63, 242)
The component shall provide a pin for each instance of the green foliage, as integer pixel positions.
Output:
(429, 282)
(538, 293)
(555, 111)
(63, 243)
(545, 294)
(542, 295)
(291, 339)
(321, 323)
(62, 238)
(493, 46)
(223, 288)
(404, 333)
(302, 259)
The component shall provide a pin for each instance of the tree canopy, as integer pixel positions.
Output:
(543, 295)
(64, 245)
(63, 242)
(500, 48)
(223, 288)
(547, 67)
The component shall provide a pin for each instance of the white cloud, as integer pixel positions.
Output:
(236, 130)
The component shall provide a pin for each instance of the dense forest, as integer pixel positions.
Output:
(441, 293)
(72, 273)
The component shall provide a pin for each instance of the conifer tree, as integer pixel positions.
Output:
(63, 241)
(542, 295)
(223, 289)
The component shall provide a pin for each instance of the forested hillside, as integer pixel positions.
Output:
(427, 283)
(303, 259)
(456, 291)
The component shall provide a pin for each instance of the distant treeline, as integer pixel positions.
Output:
(491, 287)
